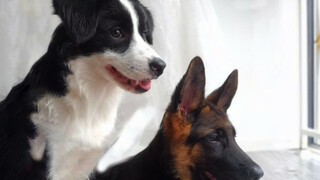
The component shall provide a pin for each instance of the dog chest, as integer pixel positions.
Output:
(77, 130)
(61, 120)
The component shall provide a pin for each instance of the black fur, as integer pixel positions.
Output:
(152, 163)
(80, 17)
(146, 25)
(85, 29)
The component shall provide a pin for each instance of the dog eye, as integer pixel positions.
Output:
(213, 137)
(117, 33)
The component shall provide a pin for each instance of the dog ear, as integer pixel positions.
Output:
(147, 21)
(223, 96)
(80, 18)
(189, 93)
(150, 26)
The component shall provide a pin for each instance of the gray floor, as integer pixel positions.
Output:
(288, 165)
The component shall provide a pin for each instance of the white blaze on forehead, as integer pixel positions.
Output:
(135, 21)
(137, 41)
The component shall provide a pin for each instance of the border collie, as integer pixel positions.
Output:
(67, 103)
(196, 140)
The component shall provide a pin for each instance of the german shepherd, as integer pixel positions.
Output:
(196, 140)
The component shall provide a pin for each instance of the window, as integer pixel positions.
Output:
(310, 77)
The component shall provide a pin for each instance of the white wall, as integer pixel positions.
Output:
(262, 41)
(25, 31)
(258, 37)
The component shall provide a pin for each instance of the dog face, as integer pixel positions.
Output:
(200, 136)
(116, 36)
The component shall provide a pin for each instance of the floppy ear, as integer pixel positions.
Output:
(189, 93)
(80, 17)
(147, 21)
(223, 96)
(150, 26)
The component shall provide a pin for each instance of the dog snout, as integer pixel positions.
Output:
(256, 172)
(157, 66)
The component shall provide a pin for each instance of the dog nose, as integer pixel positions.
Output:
(157, 65)
(256, 172)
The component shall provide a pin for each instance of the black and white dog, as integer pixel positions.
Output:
(67, 104)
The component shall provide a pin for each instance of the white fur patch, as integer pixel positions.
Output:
(37, 146)
(77, 126)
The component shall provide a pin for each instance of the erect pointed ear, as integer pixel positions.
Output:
(223, 96)
(189, 93)
(80, 17)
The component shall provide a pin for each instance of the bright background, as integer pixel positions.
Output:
(258, 37)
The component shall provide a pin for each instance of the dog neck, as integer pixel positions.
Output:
(151, 163)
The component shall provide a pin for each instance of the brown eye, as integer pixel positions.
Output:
(213, 137)
(117, 33)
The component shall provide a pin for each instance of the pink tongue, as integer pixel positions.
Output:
(210, 176)
(146, 85)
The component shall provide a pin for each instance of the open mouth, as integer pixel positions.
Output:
(209, 176)
(138, 86)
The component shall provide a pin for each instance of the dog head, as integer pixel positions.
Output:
(116, 36)
(200, 137)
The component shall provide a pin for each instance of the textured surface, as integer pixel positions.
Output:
(288, 165)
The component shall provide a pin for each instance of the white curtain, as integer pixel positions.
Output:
(317, 67)
(259, 37)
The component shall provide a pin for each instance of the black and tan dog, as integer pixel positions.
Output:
(196, 140)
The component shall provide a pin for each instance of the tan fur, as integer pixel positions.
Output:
(184, 158)
(177, 130)
(176, 127)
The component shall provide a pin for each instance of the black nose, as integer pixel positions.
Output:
(157, 65)
(256, 172)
